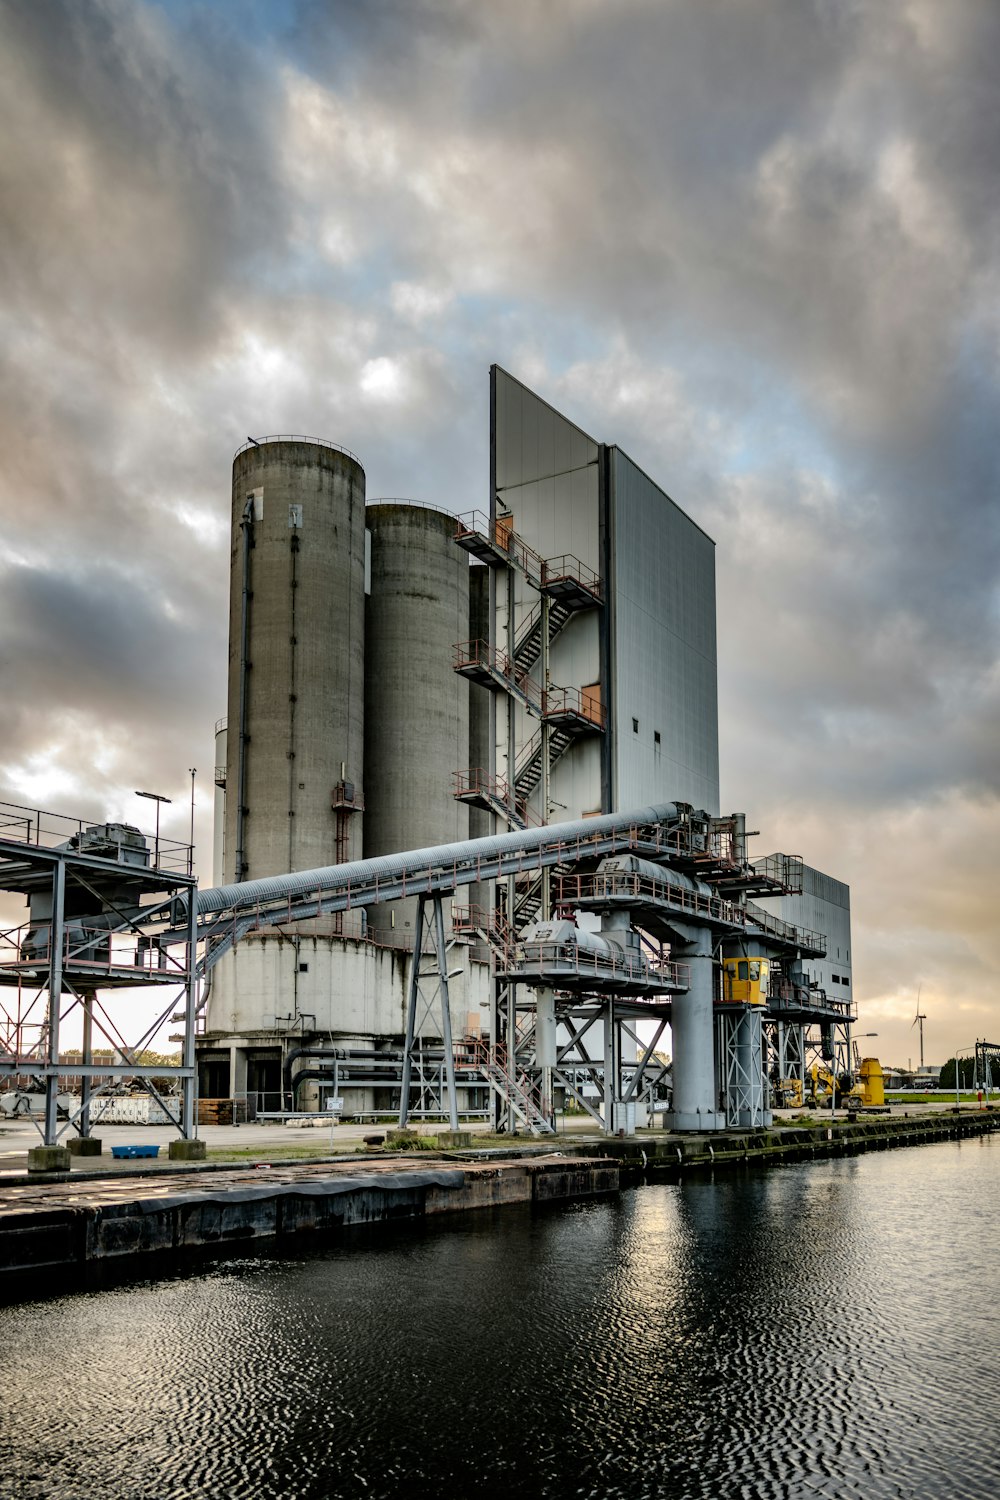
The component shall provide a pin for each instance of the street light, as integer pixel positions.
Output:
(194, 772)
(156, 797)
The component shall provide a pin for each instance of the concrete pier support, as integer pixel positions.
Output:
(693, 1027)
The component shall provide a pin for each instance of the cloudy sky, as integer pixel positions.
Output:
(753, 241)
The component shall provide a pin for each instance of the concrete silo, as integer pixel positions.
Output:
(295, 752)
(416, 706)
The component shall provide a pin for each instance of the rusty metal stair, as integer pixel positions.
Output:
(528, 640)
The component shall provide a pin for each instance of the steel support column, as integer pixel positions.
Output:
(189, 1085)
(693, 1027)
(436, 995)
(87, 1082)
(57, 944)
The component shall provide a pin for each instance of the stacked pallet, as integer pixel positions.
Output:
(222, 1111)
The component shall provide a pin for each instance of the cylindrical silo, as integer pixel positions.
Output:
(416, 705)
(295, 755)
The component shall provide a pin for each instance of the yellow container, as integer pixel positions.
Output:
(872, 1087)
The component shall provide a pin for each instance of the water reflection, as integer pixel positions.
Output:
(819, 1330)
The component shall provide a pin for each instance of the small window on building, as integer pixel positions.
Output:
(303, 968)
(635, 726)
(742, 969)
(656, 736)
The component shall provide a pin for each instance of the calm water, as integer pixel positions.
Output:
(826, 1330)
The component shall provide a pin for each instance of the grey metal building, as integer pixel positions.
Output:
(545, 660)
(623, 693)
(823, 905)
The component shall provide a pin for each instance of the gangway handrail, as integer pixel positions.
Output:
(296, 437)
(226, 913)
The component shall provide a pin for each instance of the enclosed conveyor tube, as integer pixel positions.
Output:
(440, 867)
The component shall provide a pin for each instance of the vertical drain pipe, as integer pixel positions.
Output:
(546, 751)
(293, 641)
(246, 526)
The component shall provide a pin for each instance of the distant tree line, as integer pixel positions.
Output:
(966, 1074)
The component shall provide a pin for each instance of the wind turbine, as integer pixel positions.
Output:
(919, 1020)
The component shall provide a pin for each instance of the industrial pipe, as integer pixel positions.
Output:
(414, 863)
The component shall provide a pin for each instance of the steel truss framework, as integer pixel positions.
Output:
(987, 1075)
(592, 1029)
(600, 1061)
(58, 963)
(428, 1019)
(741, 1062)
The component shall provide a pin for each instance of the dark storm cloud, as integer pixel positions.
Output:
(133, 186)
(813, 186)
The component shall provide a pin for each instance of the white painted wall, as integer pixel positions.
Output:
(352, 989)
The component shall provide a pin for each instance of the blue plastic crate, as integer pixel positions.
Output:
(133, 1151)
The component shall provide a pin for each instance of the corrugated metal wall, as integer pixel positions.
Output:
(665, 675)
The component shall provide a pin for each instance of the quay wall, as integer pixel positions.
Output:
(658, 1156)
(75, 1223)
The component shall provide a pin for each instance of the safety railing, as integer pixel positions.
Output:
(530, 625)
(527, 754)
(89, 950)
(568, 569)
(560, 704)
(496, 790)
(478, 658)
(568, 959)
(625, 885)
(783, 995)
(295, 437)
(802, 937)
(784, 869)
(500, 541)
(48, 830)
(474, 918)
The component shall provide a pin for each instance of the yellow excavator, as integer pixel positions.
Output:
(867, 1091)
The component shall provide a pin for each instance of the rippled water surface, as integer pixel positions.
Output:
(824, 1330)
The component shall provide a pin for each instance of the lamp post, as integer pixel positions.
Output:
(156, 797)
(194, 772)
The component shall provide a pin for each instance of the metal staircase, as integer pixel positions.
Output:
(518, 1095)
(494, 669)
(528, 766)
(528, 641)
(493, 794)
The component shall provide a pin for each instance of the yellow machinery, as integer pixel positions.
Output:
(787, 1093)
(872, 1086)
(820, 1082)
(745, 980)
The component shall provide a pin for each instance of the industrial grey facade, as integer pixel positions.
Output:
(544, 661)
(665, 723)
(642, 664)
(399, 678)
(823, 905)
